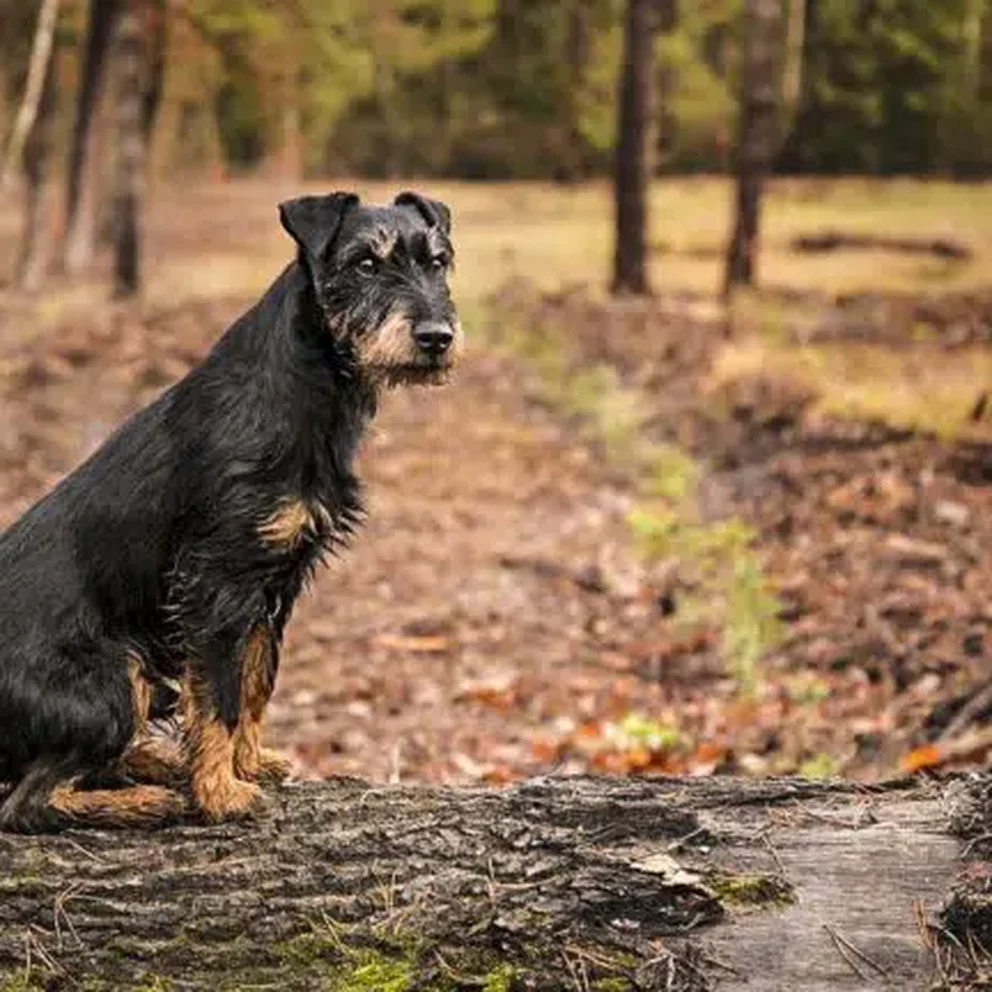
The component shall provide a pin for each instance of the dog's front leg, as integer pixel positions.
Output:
(211, 719)
(258, 664)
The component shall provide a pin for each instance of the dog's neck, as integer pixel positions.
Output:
(314, 404)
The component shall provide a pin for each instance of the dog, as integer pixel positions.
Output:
(173, 556)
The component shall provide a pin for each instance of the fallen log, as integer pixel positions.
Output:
(828, 241)
(591, 884)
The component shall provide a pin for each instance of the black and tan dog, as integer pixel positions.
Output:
(175, 553)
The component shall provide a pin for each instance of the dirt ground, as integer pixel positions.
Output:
(495, 618)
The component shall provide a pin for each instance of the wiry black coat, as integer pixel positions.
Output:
(150, 547)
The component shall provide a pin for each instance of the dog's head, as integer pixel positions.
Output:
(381, 277)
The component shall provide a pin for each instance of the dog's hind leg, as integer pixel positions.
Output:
(79, 737)
(259, 661)
(46, 800)
(150, 760)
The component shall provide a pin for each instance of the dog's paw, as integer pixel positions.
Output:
(229, 799)
(273, 768)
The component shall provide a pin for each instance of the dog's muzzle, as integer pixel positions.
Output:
(433, 338)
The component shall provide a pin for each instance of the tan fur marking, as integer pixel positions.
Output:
(383, 242)
(141, 693)
(251, 760)
(155, 761)
(388, 345)
(285, 526)
(137, 806)
(210, 747)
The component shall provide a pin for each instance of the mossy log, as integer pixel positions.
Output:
(555, 883)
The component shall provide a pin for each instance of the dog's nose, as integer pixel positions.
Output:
(433, 337)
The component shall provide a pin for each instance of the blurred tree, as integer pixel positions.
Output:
(82, 170)
(36, 241)
(632, 167)
(757, 135)
(39, 79)
(792, 70)
(129, 79)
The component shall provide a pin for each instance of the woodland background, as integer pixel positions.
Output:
(710, 494)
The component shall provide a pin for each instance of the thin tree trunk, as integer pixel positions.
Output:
(668, 19)
(792, 69)
(130, 160)
(576, 50)
(82, 172)
(38, 78)
(157, 46)
(632, 164)
(36, 244)
(757, 136)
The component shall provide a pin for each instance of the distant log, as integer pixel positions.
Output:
(561, 883)
(827, 241)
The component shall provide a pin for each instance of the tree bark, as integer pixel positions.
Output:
(792, 69)
(82, 173)
(757, 136)
(151, 97)
(632, 165)
(39, 76)
(37, 238)
(130, 158)
(668, 22)
(561, 883)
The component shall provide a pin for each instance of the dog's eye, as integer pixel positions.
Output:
(439, 262)
(367, 266)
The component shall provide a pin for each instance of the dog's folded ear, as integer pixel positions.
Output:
(434, 212)
(313, 221)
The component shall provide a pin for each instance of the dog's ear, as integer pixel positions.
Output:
(434, 212)
(313, 221)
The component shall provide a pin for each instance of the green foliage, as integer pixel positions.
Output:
(642, 732)
(715, 559)
(527, 88)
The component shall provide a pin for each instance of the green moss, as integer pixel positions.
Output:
(22, 981)
(372, 971)
(500, 979)
(751, 890)
(613, 984)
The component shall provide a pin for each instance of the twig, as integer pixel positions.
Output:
(854, 950)
(82, 850)
(851, 963)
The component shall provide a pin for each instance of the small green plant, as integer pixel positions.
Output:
(820, 766)
(718, 562)
(635, 730)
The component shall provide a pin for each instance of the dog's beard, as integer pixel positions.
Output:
(413, 374)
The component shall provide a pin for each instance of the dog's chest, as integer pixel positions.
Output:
(297, 529)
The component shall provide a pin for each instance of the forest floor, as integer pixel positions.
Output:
(630, 536)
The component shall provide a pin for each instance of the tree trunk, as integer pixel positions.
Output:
(668, 20)
(792, 69)
(130, 158)
(632, 165)
(757, 137)
(82, 172)
(39, 77)
(562, 883)
(36, 243)
(151, 97)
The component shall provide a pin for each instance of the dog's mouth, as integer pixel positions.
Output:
(433, 371)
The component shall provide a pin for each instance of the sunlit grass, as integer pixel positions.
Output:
(557, 235)
(930, 389)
